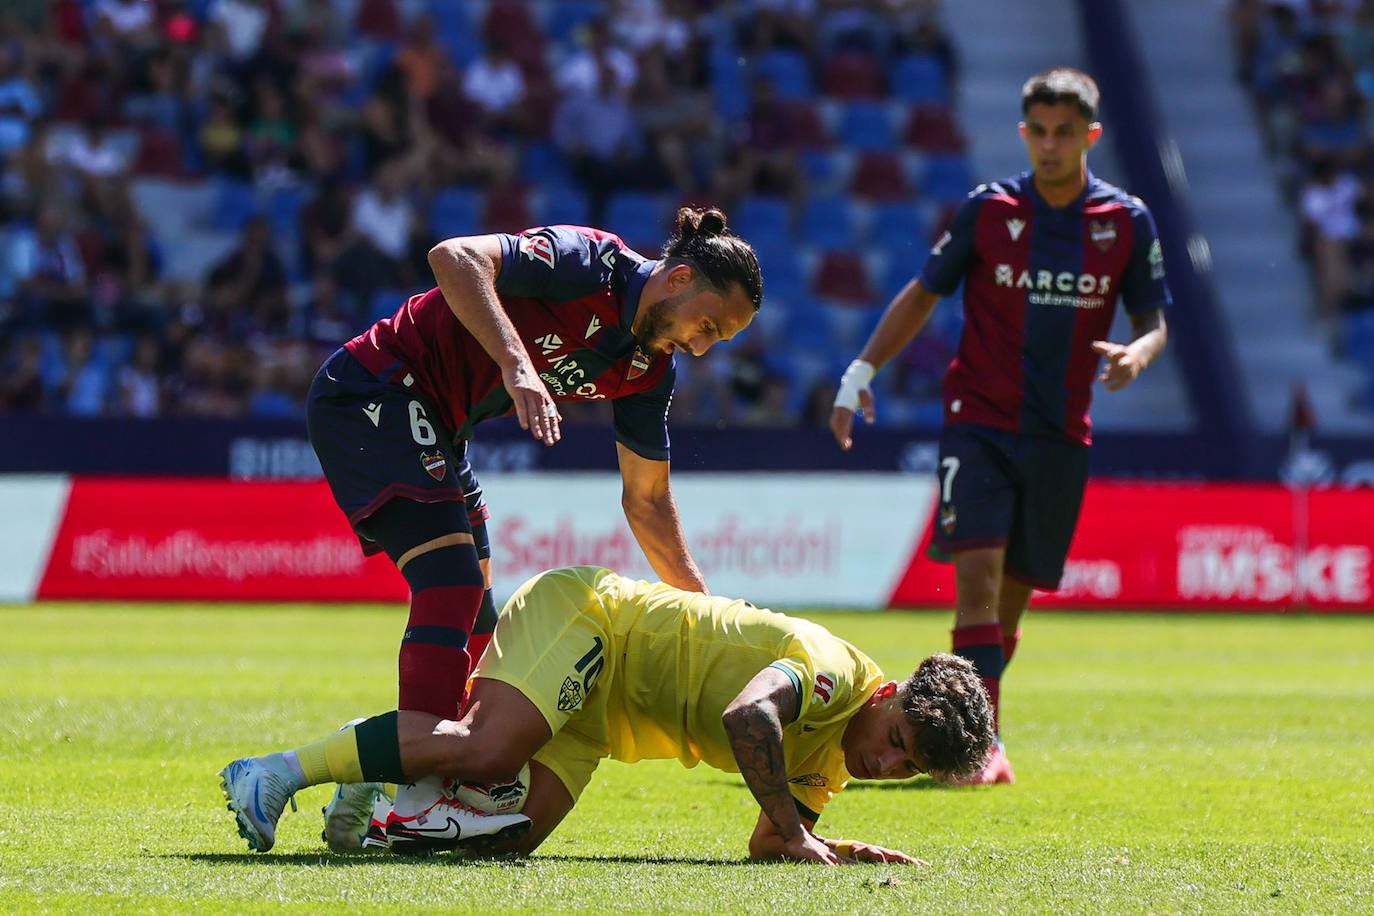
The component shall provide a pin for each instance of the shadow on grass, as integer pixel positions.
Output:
(356, 859)
(918, 783)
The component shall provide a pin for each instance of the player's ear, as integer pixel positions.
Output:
(1021, 129)
(680, 277)
(1094, 133)
(886, 691)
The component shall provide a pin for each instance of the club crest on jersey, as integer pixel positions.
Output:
(434, 463)
(639, 364)
(949, 517)
(1102, 234)
(539, 248)
(570, 695)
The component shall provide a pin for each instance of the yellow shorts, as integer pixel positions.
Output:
(555, 644)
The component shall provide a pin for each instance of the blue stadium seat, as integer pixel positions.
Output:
(920, 79)
(898, 223)
(637, 216)
(563, 204)
(830, 221)
(454, 211)
(763, 220)
(788, 70)
(867, 125)
(541, 163)
(826, 170)
(947, 178)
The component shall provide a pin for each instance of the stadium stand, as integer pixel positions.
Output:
(140, 170)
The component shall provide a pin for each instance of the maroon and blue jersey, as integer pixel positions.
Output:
(572, 293)
(1040, 285)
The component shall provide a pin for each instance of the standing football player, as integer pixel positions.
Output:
(517, 323)
(1044, 257)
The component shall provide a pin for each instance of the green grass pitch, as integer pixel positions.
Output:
(1165, 764)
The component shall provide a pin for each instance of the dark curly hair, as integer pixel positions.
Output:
(946, 702)
(722, 259)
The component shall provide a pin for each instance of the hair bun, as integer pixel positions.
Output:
(692, 221)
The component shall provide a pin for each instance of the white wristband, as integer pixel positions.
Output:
(855, 379)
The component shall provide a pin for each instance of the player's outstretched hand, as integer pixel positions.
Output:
(534, 406)
(807, 848)
(867, 852)
(854, 394)
(1122, 365)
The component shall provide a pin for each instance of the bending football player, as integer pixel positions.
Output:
(587, 664)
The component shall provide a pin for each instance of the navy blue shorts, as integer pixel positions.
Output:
(1000, 488)
(376, 441)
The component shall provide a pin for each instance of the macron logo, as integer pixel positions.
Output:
(374, 413)
(549, 343)
(592, 327)
(1015, 226)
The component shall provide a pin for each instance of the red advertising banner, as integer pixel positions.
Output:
(1202, 547)
(211, 539)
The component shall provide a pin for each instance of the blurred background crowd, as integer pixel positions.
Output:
(200, 199)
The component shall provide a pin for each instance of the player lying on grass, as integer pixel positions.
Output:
(588, 664)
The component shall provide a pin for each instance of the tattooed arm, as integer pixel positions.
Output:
(753, 721)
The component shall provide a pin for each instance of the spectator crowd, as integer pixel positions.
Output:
(332, 142)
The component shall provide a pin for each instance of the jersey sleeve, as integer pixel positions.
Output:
(1143, 286)
(953, 252)
(641, 419)
(555, 262)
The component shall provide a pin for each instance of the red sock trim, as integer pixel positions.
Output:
(982, 634)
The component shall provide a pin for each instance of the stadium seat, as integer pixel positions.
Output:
(880, 175)
(900, 228)
(507, 209)
(827, 171)
(762, 218)
(562, 204)
(933, 129)
(454, 211)
(638, 217)
(788, 70)
(920, 78)
(829, 221)
(866, 125)
(842, 277)
(806, 129)
(947, 178)
(853, 75)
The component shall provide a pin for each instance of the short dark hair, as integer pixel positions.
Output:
(721, 259)
(1062, 84)
(946, 702)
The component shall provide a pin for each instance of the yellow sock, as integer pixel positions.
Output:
(335, 759)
